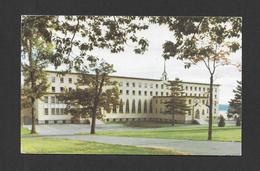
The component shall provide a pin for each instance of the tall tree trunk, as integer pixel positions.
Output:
(33, 130)
(93, 122)
(210, 107)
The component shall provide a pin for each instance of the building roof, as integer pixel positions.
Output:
(136, 78)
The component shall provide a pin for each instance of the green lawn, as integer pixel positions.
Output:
(26, 132)
(65, 146)
(227, 133)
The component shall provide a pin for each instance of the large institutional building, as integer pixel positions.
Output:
(141, 99)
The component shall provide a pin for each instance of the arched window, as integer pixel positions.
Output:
(203, 112)
(145, 106)
(121, 106)
(151, 107)
(114, 108)
(127, 106)
(139, 107)
(133, 106)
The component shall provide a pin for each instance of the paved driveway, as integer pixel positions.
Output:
(192, 147)
(70, 129)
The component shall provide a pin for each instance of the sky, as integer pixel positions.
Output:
(150, 64)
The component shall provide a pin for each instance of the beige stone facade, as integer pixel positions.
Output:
(137, 94)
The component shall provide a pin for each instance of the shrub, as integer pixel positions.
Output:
(221, 122)
(238, 121)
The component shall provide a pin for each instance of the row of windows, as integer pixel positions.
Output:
(53, 89)
(134, 109)
(198, 89)
(145, 93)
(53, 79)
(145, 85)
(54, 111)
(162, 93)
(53, 100)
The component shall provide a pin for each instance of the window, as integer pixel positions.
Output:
(199, 88)
(145, 93)
(203, 112)
(195, 88)
(151, 93)
(53, 89)
(61, 89)
(127, 92)
(161, 93)
(203, 88)
(62, 111)
(139, 92)
(189, 101)
(53, 79)
(46, 111)
(195, 94)
(190, 88)
(127, 106)
(156, 85)
(45, 99)
(133, 84)
(186, 87)
(145, 85)
(121, 91)
(70, 80)
(161, 86)
(139, 109)
(61, 80)
(57, 111)
(215, 96)
(52, 99)
(167, 94)
(145, 106)
(121, 106)
(133, 106)
(70, 88)
(156, 93)
(53, 111)
(151, 85)
(133, 92)
(121, 84)
(127, 84)
(114, 109)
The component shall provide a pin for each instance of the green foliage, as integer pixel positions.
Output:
(235, 105)
(94, 92)
(177, 102)
(221, 122)
(84, 34)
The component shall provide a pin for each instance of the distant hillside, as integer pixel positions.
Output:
(223, 107)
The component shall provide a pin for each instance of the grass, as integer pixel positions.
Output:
(65, 146)
(26, 132)
(195, 133)
(227, 133)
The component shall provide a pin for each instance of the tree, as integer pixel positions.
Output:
(93, 92)
(209, 40)
(35, 48)
(87, 33)
(235, 105)
(177, 102)
(221, 122)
